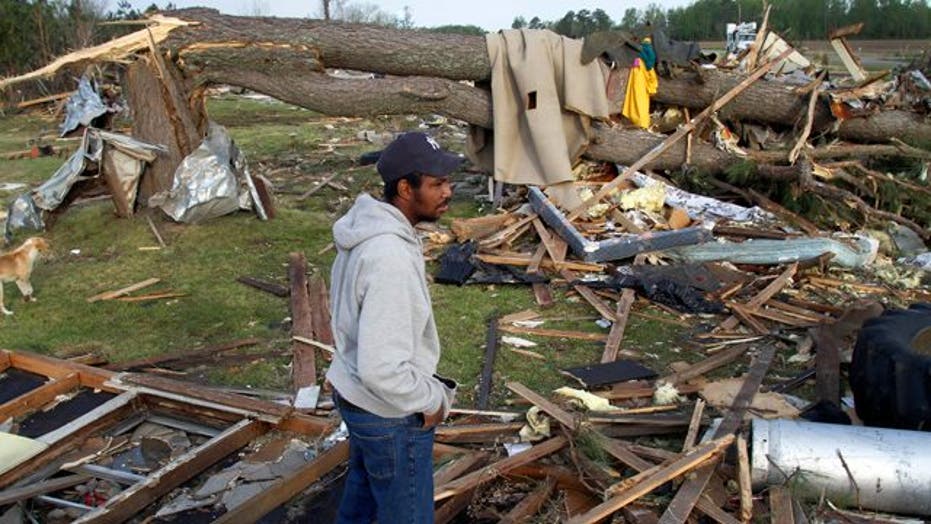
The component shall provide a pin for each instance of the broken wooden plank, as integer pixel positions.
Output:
(459, 467)
(135, 498)
(38, 397)
(158, 236)
(694, 425)
(320, 310)
(713, 362)
(554, 333)
(520, 316)
(288, 487)
(847, 56)
(746, 318)
(480, 227)
(744, 480)
(56, 368)
(35, 489)
(639, 485)
(275, 289)
(488, 366)
(531, 504)
(152, 296)
(690, 491)
(548, 240)
(760, 298)
(564, 417)
(534, 267)
(449, 509)
(462, 433)
(496, 469)
(181, 356)
(616, 335)
(606, 312)
(508, 233)
(524, 260)
(109, 295)
(303, 362)
(780, 506)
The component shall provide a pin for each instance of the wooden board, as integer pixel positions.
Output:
(109, 295)
(303, 362)
(616, 335)
(38, 397)
(531, 504)
(564, 417)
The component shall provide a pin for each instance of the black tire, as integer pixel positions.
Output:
(890, 375)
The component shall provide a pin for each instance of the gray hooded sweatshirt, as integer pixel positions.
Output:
(387, 347)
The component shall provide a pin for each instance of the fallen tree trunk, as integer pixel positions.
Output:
(302, 46)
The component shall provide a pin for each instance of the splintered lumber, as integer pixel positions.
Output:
(450, 508)
(477, 432)
(496, 469)
(304, 367)
(616, 335)
(767, 293)
(690, 491)
(713, 362)
(284, 489)
(158, 236)
(744, 480)
(110, 295)
(519, 316)
(488, 367)
(275, 289)
(606, 312)
(320, 310)
(694, 425)
(645, 482)
(564, 417)
(534, 267)
(680, 133)
(531, 504)
(458, 467)
(181, 356)
(555, 333)
(780, 506)
(524, 260)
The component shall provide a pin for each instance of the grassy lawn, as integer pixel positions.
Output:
(94, 251)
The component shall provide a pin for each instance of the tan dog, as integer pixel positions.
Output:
(16, 266)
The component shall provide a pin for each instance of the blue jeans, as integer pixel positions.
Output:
(390, 475)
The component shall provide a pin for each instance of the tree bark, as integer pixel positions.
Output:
(298, 47)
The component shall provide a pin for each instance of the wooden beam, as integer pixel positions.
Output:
(56, 368)
(564, 417)
(38, 397)
(744, 480)
(459, 467)
(533, 267)
(181, 356)
(303, 362)
(496, 469)
(680, 133)
(320, 310)
(35, 489)
(780, 506)
(606, 312)
(134, 499)
(452, 507)
(616, 335)
(694, 425)
(284, 489)
(110, 295)
(477, 432)
(639, 485)
(690, 491)
(531, 504)
(555, 333)
(767, 293)
(524, 260)
(701, 367)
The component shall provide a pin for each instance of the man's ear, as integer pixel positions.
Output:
(404, 189)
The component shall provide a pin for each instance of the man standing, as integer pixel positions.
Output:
(384, 371)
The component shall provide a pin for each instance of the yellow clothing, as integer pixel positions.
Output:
(641, 84)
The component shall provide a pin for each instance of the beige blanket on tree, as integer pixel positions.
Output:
(543, 101)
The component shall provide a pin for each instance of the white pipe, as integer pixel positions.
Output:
(890, 468)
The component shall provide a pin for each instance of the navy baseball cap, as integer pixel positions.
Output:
(415, 152)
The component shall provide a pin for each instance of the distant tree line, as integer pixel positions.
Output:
(794, 19)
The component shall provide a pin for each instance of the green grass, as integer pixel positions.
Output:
(94, 251)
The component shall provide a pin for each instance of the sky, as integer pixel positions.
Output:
(490, 15)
